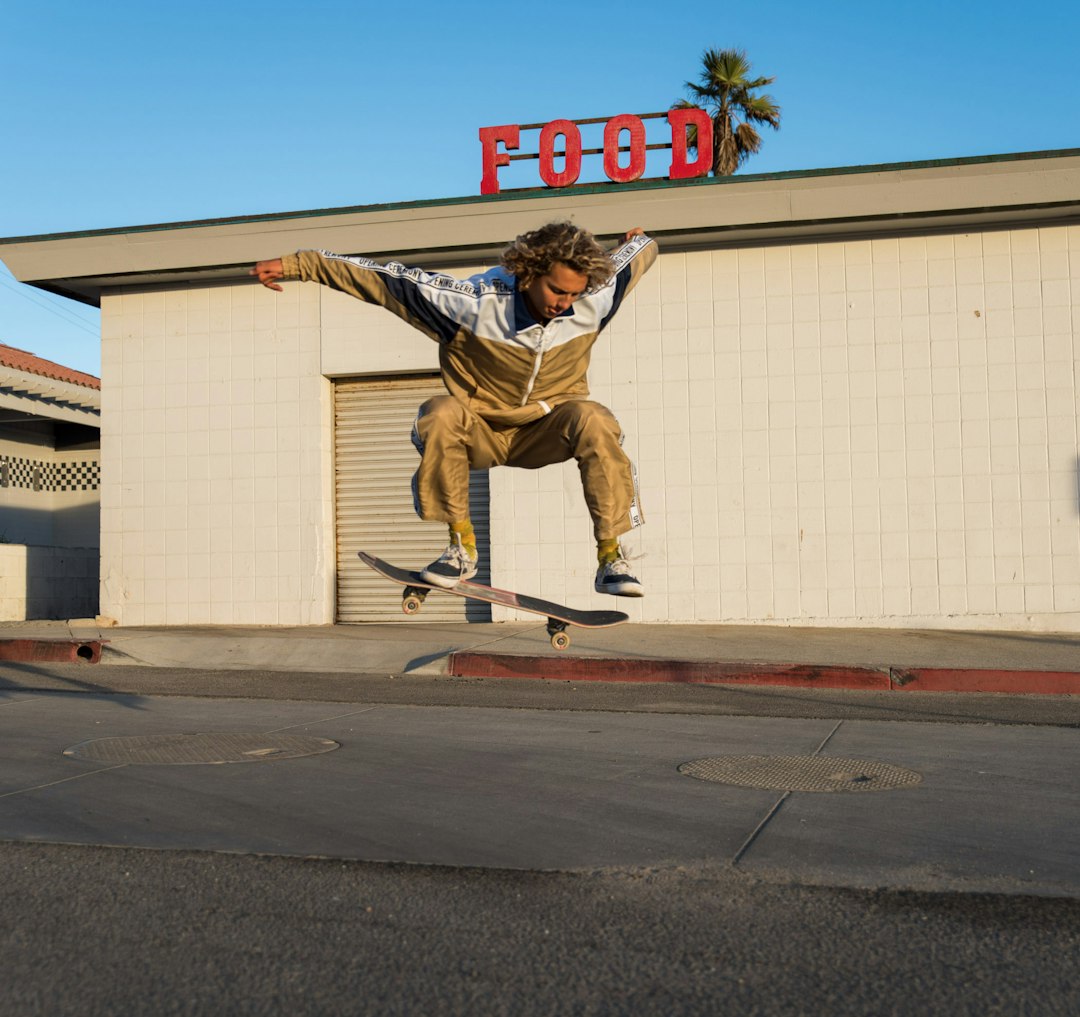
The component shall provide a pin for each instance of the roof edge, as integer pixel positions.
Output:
(561, 192)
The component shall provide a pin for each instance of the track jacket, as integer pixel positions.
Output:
(494, 356)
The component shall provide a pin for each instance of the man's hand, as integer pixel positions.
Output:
(637, 231)
(267, 272)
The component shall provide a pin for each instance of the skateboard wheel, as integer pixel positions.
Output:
(560, 640)
(411, 604)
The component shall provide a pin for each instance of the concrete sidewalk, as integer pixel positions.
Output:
(992, 808)
(984, 808)
(851, 658)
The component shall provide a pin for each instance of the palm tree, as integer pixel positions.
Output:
(725, 90)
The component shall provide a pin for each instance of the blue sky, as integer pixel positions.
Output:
(132, 113)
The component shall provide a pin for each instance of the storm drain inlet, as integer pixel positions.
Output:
(196, 749)
(801, 773)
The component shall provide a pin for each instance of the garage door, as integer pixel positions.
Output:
(374, 464)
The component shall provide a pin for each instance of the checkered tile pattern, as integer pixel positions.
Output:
(75, 476)
(36, 474)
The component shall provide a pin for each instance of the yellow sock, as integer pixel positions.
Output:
(463, 531)
(607, 550)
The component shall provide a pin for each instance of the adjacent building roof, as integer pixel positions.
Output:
(34, 388)
(21, 360)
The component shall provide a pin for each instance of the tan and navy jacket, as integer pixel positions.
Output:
(494, 356)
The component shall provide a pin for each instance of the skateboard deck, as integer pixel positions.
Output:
(558, 615)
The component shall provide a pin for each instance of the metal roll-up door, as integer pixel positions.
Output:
(374, 464)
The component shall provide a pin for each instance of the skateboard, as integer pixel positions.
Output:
(558, 616)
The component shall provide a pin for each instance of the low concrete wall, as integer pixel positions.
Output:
(48, 582)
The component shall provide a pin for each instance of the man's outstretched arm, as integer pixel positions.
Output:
(268, 272)
(429, 302)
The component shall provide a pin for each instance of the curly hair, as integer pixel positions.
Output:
(534, 253)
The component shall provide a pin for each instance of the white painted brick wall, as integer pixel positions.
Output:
(217, 498)
(875, 432)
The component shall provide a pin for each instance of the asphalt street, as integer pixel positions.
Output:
(520, 847)
(93, 931)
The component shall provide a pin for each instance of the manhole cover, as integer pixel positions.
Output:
(801, 773)
(187, 749)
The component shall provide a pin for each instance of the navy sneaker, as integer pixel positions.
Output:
(451, 567)
(615, 577)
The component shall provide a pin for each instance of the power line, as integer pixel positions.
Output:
(61, 312)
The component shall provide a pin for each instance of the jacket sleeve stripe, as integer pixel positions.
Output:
(405, 292)
(632, 261)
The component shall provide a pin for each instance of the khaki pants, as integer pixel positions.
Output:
(452, 439)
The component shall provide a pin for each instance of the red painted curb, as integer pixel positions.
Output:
(64, 651)
(942, 679)
(468, 664)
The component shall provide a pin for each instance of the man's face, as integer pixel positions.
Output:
(551, 294)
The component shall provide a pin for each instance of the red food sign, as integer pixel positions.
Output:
(561, 139)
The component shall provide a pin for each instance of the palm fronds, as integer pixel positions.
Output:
(726, 90)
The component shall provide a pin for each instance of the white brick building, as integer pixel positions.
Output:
(49, 475)
(851, 396)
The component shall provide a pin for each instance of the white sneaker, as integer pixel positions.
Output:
(453, 566)
(616, 578)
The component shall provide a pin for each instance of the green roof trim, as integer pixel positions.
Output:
(546, 192)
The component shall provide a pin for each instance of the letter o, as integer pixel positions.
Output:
(636, 167)
(572, 165)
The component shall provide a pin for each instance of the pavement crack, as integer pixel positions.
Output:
(756, 832)
(504, 636)
(778, 804)
(17, 702)
(322, 720)
(65, 780)
(828, 738)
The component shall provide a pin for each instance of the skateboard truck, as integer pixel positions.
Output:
(556, 629)
(413, 597)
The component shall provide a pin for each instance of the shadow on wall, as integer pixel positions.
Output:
(71, 526)
(38, 583)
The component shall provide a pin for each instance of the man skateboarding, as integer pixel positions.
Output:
(514, 349)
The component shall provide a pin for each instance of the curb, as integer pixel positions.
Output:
(468, 664)
(63, 651)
